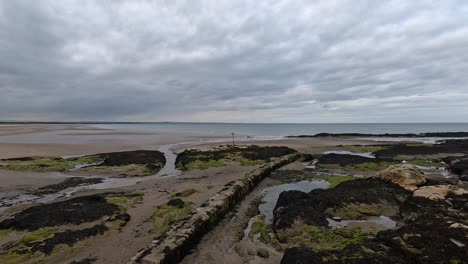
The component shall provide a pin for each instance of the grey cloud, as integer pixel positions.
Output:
(249, 61)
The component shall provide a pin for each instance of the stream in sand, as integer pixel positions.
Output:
(169, 170)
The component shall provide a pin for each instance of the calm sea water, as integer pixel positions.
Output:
(279, 130)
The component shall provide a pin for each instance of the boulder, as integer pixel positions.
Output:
(300, 255)
(438, 192)
(179, 203)
(407, 176)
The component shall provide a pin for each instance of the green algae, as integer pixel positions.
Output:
(321, 238)
(334, 180)
(185, 193)
(263, 231)
(125, 200)
(166, 216)
(203, 165)
(38, 164)
(263, 253)
(20, 251)
(86, 159)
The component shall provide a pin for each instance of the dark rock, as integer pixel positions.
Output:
(249, 152)
(300, 255)
(176, 203)
(287, 176)
(68, 237)
(72, 211)
(68, 183)
(409, 135)
(311, 207)
(449, 146)
(432, 231)
(153, 159)
(85, 261)
(458, 165)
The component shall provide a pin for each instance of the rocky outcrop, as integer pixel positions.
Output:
(406, 175)
(448, 147)
(74, 211)
(344, 159)
(247, 152)
(68, 183)
(154, 160)
(300, 255)
(354, 199)
(438, 192)
(431, 231)
(174, 245)
(458, 165)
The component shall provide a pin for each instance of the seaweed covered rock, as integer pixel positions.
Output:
(248, 153)
(72, 211)
(447, 147)
(432, 231)
(68, 183)
(458, 165)
(407, 176)
(353, 199)
(300, 255)
(179, 203)
(152, 159)
(344, 159)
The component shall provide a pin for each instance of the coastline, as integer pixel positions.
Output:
(192, 186)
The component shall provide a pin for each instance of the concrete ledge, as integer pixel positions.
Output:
(176, 243)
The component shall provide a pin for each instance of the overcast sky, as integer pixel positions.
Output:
(234, 61)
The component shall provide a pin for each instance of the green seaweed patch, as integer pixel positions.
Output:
(321, 238)
(166, 216)
(185, 193)
(127, 200)
(264, 232)
(334, 180)
(247, 162)
(203, 165)
(5, 232)
(362, 148)
(425, 163)
(123, 170)
(372, 166)
(251, 211)
(21, 250)
(86, 159)
(360, 211)
(38, 164)
(366, 166)
(263, 253)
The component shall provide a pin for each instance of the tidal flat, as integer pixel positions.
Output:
(87, 191)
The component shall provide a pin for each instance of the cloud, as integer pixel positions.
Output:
(239, 61)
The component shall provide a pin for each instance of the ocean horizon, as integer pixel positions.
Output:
(286, 129)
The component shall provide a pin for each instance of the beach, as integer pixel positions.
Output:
(143, 199)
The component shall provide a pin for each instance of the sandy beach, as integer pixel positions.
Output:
(153, 191)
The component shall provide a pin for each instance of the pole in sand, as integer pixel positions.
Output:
(233, 143)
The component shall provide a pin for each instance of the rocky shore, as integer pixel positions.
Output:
(342, 201)
(431, 221)
(395, 135)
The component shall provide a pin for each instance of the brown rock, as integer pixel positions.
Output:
(406, 175)
(438, 192)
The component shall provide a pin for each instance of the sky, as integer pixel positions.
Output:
(234, 61)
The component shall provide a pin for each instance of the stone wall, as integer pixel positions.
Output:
(173, 246)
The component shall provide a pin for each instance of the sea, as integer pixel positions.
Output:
(286, 129)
